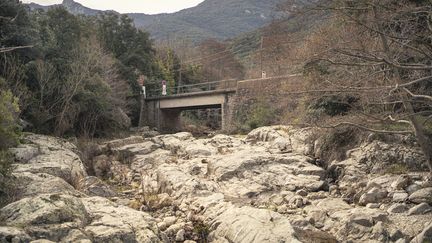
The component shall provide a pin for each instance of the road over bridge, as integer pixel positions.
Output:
(163, 111)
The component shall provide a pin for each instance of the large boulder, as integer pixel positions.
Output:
(114, 223)
(422, 196)
(252, 171)
(374, 195)
(251, 225)
(29, 185)
(197, 149)
(60, 163)
(268, 134)
(49, 155)
(136, 148)
(45, 209)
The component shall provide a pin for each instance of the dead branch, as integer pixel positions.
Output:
(417, 96)
(8, 49)
(367, 128)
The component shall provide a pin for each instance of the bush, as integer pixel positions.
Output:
(333, 105)
(338, 141)
(9, 130)
(258, 115)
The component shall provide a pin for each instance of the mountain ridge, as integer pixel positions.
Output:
(218, 19)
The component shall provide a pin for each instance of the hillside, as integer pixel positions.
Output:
(70, 5)
(218, 19)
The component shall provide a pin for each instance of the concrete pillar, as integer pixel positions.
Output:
(169, 120)
(227, 113)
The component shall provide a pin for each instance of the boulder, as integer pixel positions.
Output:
(198, 149)
(29, 185)
(46, 144)
(114, 223)
(422, 196)
(362, 216)
(413, 188)
(45, 209)
(401, 182)
(422, 208)
(183, 136)
(400, 196)
(136, 149)
(251, 225)
(60, 163)
(374, 195)
(267, 134)
(94, 186)
(397, 208)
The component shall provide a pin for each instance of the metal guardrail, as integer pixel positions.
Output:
(193, 88)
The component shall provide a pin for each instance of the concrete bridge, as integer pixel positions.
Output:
(163, 112)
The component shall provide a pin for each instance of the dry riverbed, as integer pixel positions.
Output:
(269, 186)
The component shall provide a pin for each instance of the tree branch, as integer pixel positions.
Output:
(8, 49)
(417, 96)
(367, 129)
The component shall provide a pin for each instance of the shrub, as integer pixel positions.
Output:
(258, 115)
(262, 114)
(333, 105)
(9, 130)
(338, 141)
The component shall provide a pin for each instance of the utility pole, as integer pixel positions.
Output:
(261, 55)
(141, 81)
(180, 79)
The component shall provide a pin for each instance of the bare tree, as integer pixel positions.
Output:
(379, 53)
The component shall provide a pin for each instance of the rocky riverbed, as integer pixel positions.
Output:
(269, 186)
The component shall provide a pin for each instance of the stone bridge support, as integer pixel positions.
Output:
(164, 112)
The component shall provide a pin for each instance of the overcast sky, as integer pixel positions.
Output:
(130, 6)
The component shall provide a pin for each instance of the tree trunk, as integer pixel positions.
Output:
(422, 139)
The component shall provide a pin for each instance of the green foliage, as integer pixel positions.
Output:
(201, 230)
(258, 115)
(6, 160)
(397, 169)
(333, 105)
(262, 114)
(9, 130)
(9, 134)
(134, 53)
(77, 76)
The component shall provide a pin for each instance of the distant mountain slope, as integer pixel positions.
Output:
(72, 6)
(218, 19)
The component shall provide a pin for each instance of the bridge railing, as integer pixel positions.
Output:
(194, 88)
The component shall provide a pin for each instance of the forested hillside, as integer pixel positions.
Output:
(218, 19)
(74, 75)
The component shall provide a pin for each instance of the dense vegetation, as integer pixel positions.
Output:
(75, 75)
(69, 75)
